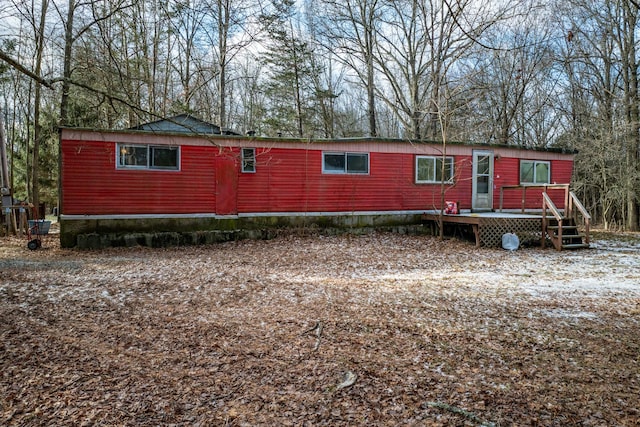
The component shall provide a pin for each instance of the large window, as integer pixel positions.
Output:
(429, 169)
(148, 157)
(535, 172)
(248, 160)
(345, 163)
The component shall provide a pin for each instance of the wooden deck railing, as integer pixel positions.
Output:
(572, 209)
(525, 187)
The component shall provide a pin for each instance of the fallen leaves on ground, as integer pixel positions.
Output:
(381, 329)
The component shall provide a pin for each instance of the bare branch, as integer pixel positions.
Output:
(21, 68)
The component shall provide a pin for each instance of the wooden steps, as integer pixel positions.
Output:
(561, 227)
(567, 236)
(576, 246)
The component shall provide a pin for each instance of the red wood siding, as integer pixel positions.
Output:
(288, 178)
(292, 181)
(507, 172)
(93, 185)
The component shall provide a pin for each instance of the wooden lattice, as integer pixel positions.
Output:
(528, 230)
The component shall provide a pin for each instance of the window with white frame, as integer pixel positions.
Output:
(136, 156)
(248, 160)
(355, 163)
(429, 169)
(535, 172)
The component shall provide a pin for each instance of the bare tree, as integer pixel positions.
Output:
(37, 136)
(514, 87)
(419, 44)
(629, 61)
(601, 63)
(251, 98)
(228, 31)
(351, 27)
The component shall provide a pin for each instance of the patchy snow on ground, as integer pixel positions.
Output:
(379, 329)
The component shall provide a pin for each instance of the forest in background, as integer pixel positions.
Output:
(524, 73)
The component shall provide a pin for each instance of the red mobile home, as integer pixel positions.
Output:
(118, 185)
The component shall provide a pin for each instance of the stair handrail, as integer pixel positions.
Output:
(547, 203)
(573, 200)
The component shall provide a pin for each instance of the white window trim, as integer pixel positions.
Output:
(535, 164)
(345, 171)
(148, 166)
(253, 160)
(435, 158)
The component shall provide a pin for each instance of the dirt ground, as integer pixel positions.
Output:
(376, 330)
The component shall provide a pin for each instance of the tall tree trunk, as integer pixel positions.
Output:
(37, 126)
(371, 88)
(633, 117)
(4, 164)
(296, 67)
(66, 66)
(4, 173)
(297, 82)
(66, 88)
(223, 32)
(367, 19)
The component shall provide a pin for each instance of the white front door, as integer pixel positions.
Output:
(482, 196)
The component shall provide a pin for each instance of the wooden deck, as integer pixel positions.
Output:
(488, 227)
(566, 227)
